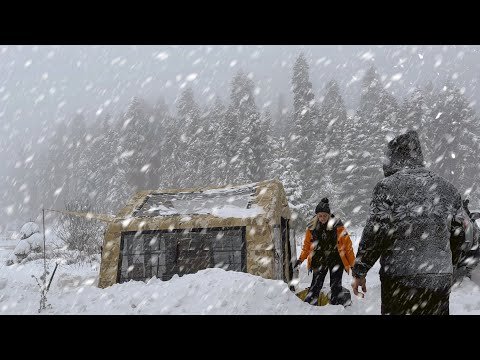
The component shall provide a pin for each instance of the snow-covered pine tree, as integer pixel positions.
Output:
(305, 135)
(283, 168)
(266, 145)
(133, 130)
(252, 145)
(242, 120)
(190, 140)
(373, 126)
(106, 172)
(279, 119)
(329, 155)
(453, 142)
(158, 137)
(170, 168)
(216, 158)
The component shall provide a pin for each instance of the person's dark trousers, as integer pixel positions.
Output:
(336, 272)
(398, 299)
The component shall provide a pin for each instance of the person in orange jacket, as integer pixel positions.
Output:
(328, 248)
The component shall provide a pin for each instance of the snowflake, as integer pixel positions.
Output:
(410, 210)
(381, 211)
(433, 209)
(451, 210)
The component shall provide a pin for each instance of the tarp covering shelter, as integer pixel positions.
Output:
(160, 233)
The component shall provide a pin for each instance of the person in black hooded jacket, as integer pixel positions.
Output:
(410, 228)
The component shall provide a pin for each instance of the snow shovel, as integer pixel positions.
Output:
(344, 297)
(322, 298)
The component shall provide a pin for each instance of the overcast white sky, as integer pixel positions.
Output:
(41, 84)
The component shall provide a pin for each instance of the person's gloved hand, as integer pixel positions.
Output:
(297, 264)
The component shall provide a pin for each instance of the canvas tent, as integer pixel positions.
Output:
(160, 233)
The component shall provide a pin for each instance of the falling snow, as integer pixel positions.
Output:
(87, 126)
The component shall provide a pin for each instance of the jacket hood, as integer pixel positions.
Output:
(404, 151)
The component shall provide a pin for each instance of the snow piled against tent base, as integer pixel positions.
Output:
(210, 291)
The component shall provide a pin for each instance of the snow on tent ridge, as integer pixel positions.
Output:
(224, 211)
(231, 188)
(235, 211)
(234, 201)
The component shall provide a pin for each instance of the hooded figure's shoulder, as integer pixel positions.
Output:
(389, 181)
(442, 182)
(386, 184)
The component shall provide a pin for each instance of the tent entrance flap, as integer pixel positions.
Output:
(163, 253)
(285, 229)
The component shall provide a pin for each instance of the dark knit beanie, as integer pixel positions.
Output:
(323, 206)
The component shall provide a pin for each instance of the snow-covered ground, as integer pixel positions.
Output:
(210, 291)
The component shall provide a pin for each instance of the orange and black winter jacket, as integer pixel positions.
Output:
(344, 243)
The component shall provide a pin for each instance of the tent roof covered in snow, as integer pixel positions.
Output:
(177, 231)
